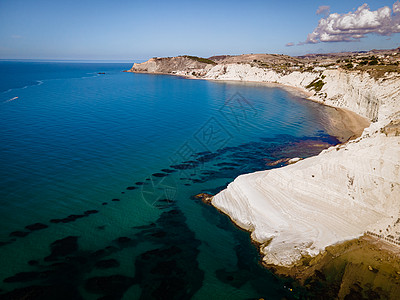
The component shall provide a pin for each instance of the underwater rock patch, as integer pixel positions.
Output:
(24, 277)
(107, 264)
(33, 262)
(42, 293)
(171, 270)
(160, 175)
(36, 226)
(63, 247)
(114, 285)
(19, 233)
(168, 170)
(91, 212)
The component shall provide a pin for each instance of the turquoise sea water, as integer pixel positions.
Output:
(98, 173)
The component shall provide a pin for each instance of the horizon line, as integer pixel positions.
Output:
(144, 59)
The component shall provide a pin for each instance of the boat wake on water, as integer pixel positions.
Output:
(12, 99)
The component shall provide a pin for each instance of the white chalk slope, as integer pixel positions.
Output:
(318, 201)
(338, 195)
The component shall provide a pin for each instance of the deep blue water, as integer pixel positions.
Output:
(106, 165)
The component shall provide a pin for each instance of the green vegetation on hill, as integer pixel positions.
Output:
(201, 59)
(316, 85)
(376, 66)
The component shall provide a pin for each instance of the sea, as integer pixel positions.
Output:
(99, 170)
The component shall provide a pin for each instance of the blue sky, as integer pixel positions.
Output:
(133, 30)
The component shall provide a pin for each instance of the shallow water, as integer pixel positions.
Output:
(108, 166)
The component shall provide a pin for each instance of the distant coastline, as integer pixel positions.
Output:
(295, 212)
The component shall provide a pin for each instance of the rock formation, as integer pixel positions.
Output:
(338, 195)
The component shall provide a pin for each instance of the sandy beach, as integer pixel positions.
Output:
(345, 125)
(341, 123)
(297, 212)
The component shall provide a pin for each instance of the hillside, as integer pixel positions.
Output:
(338, 195)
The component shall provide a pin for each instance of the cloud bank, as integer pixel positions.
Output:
(355, 24)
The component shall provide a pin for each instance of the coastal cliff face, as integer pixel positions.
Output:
(181, 65)
(298, 210)
(353, 90)
(345, 191)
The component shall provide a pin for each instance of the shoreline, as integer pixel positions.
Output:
(298, 213)
(345, 125)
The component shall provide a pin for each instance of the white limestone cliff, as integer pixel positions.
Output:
(353, 90)
(338, 195)
(319, 201)
(302, 208)
(180, 65)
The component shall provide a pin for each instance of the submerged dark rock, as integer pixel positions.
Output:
(33, 262)
(47, 292)
(74, 217)
(197, 180)
(171, 270)
(159, 234)
(168, 171)
(99, 253)
(114, 285)
(160, 175)
(24, 277)
(164, 268)
(203, 153)
(123, 240)
(183, 166)
(208, 157)
(63, 247)
(19, 233)
(227, 168)
(107, 264)
(227, 164)
(36, 226)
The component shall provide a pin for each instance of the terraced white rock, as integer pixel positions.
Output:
(319, 201)
(335, 196)
(338, 195)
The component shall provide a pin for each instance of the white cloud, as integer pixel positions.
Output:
(323, 10)
(356, 24)
(289, 44)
